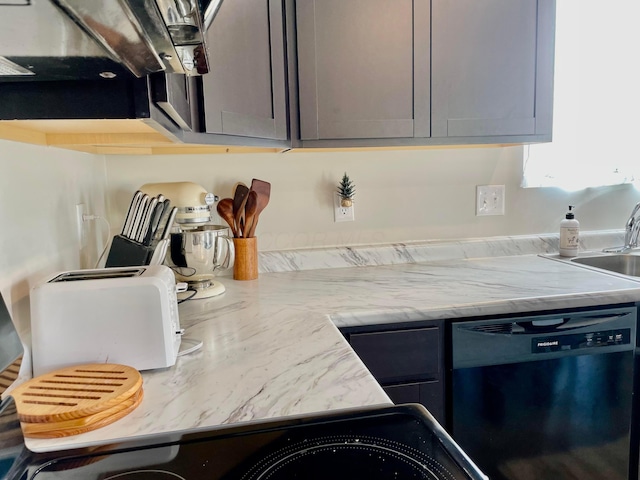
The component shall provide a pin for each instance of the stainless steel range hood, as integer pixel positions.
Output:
(74, 39)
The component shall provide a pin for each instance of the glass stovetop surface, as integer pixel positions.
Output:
(389, 443)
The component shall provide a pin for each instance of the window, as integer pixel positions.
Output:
(596, 99)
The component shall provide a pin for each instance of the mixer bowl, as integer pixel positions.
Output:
(195, 255)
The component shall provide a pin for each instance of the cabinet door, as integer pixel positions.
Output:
(429, 394)
(400, 355)
(363, 68)
(492, 70)
(245, 91)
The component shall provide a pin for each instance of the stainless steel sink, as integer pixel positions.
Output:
(625, 264)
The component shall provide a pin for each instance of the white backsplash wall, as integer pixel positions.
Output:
(401, 196)
(39, 188)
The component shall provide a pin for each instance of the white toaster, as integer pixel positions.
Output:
(125, 315)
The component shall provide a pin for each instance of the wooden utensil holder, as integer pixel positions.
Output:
(245, 266)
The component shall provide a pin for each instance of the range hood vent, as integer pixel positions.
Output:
(67, 39)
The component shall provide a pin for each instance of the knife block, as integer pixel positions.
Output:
(125, 252)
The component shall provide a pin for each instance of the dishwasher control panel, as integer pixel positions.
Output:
(500, 341)
(604, 338)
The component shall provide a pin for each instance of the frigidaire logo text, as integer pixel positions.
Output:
(552, 343)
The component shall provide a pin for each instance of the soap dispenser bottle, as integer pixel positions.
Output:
(569, 235)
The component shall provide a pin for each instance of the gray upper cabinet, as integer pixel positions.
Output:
(492, 70)
(245, 91)
(363, 68)
(424, 72)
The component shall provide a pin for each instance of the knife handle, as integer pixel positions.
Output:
(137, 220)
(167, 226)
(154, 221)
(128, 221)
(146, 219)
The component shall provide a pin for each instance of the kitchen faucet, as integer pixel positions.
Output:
(631, 234)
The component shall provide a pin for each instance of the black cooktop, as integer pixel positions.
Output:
(379, 443)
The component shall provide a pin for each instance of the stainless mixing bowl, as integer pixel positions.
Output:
(195, 255)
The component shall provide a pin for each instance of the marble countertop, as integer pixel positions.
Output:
(272, 347)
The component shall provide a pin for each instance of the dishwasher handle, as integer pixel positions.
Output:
(561, 324)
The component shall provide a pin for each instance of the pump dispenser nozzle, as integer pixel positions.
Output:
(570, 214)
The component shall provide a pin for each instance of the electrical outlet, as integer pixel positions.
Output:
(489, 200)
(80, 223)
(342, 214)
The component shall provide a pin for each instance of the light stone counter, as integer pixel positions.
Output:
(271, 349)
(259, 361)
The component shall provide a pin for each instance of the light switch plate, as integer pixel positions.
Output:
(489, 200)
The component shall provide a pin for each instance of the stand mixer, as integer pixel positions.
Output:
(197, 248)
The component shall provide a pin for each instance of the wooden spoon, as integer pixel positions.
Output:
(250, 210)
(225, 210)
(263, 190)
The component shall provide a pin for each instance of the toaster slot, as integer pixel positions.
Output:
(98, 274)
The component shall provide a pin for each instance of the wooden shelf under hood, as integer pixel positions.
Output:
(139, 137)
(109, 137)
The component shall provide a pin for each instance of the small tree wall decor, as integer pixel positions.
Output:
(346, 191)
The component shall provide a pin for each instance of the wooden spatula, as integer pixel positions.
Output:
(239, 200)
(250, 210)
(263, 190)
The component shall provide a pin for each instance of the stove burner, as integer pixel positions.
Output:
(146, 475)
(350, 457)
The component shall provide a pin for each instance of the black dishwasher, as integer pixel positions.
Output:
(545, 397)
